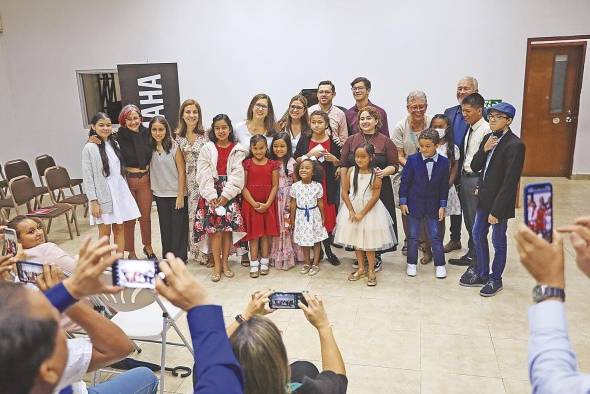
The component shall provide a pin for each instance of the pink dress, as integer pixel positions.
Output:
(284, 252)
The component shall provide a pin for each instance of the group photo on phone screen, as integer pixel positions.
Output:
(539, 211)
(135, 273)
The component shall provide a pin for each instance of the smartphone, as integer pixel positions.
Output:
(28, 271)
(538, 209)
(286, 300)
(135, 273)
(10, 241)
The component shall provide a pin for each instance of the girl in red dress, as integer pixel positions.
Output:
(320, 144)
(259, 208)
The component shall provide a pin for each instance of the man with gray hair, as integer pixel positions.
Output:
(465, 87)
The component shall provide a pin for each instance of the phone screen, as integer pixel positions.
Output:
(10, 242)
(135, 273)
(28, 271)
(286, 300)
(538, 209)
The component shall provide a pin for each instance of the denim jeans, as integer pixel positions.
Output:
(480, 239)
(137, 380)
(434, 234)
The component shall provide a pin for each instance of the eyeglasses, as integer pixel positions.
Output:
(358, 88)
(496, 116)
(261, 106)
(297, 108)
(324, 92)
(415, 108)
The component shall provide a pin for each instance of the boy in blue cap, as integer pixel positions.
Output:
(500, 159)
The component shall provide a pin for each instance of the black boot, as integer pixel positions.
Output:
(329, 255)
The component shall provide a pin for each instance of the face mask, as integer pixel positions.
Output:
(441, 132)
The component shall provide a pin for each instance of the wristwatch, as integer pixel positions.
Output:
(240, 319)
(542, 292)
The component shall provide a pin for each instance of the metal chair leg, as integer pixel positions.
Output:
(69, 225)
(163, 353)
(49, 225)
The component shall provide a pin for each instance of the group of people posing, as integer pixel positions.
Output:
(278, 192)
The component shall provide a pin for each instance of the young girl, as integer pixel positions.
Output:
(111, 202)
(448, 149)
(364, 222)
(307, 213)
(284, 252)
(220, 177)
(258, 204)
(168, 184)
(327, 152)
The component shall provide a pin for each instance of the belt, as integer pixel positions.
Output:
(307, 209)
(137, 174)
(469, 174)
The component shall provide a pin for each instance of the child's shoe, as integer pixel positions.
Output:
(254, 271)
(411, 270)
(264, 266)
(314, 270)
(441, 272)
(304, 269)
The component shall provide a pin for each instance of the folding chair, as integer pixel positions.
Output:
(19, 167)
(43, 162)
(22, 191)
(58, 180)
(144, 317)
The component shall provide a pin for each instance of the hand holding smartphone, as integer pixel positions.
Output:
(137, 274)
(28, 271)
(538, 209)
(281, 300)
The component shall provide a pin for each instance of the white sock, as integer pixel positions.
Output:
(264, 261)
(254, 265)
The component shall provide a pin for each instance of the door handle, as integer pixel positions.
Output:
(570, 116)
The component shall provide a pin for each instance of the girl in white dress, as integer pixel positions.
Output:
(111, 202)
(306, 216)
(363, 222)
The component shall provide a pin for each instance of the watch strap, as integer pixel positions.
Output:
(240, 319)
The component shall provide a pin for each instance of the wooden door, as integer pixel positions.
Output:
(553, 81)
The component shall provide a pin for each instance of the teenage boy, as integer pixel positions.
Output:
(500, 159)
(326, 94)
(361, 88)
(423, 194)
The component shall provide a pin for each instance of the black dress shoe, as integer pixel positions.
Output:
(471, 279)
(349, 249)
(336, 246)
(150, 256)
(491, 288)
(462, 261)
(378, 263)
(333, 259)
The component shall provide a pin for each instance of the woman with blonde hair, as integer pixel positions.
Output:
(190, 137)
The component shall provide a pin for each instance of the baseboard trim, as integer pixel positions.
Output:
(580, 177)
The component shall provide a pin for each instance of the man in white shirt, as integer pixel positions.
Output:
(472, 109)
(552, 362)
(326, 94)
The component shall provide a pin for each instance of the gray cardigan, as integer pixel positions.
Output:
(95, 183)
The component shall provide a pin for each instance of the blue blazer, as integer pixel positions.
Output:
(422, 196)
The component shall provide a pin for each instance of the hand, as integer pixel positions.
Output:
(95, 140)
(95, 209)
(213, 203)
(490, 143)
(180, 287)
(20, 253)
(52, 276)
(351, 214)
(358, 217)
(291, 221)
(315, 312)
(329, 157)
(543, 260)
(222, 201)
(6, 266)
(404, 209)
(262, 207)
(179, 202)
(493, 220)
(94, 258)
(337, 175)
(441, 214)
(580, 238)
(257, 304)
(379, 173)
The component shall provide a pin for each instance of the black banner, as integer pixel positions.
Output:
(153, 87)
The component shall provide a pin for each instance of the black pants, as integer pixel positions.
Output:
(456, 227)
(173, 226)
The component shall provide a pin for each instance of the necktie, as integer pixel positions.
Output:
(429, 160)
(468, 138)
(497, 134)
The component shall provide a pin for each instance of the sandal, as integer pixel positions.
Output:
(228, 273)
(305, 269)
(215, 277)
(314, 270)
(245, 263)
(210, 262)
(356, 275)
(372, 280)
(264, 269)
(254, 271)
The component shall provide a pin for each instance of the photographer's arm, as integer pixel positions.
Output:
(256, 306)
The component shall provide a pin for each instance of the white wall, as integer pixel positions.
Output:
(228, 50)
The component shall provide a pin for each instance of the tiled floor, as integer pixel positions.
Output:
(408, 335)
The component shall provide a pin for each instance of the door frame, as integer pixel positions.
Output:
(545, 42)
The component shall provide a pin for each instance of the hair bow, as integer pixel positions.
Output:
(313, 158)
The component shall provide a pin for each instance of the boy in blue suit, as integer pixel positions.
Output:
(423, 194)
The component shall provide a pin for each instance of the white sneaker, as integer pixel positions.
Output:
(411, 270)
(441, 272)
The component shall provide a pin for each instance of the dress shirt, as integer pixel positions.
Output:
(472, 141)
(430, 164)
(353, 123)
(552, 363)
(337, 121)
(490, 154)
